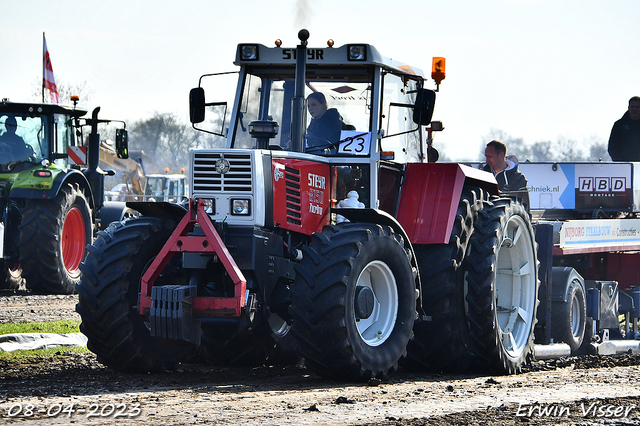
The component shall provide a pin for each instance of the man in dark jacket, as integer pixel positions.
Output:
(505, 169)
(624, 142)
(12, 146)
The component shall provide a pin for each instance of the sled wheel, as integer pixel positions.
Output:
(569, 318)
(53, 236)
(108, 297)
(354, 301)
(503, 286)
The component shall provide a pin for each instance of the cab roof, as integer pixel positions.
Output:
(39, 108)
(324, 56)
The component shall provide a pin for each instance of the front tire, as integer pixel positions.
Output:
(53, 236)
(354, 301)
(108, 297)
(503, 286)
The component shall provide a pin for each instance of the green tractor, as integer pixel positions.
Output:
(51, 193)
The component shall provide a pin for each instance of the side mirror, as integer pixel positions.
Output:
(423, 108)
(122, 143)
(196, 105)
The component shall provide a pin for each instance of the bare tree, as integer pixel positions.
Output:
(65, 90)
(598, 149)
(515, 146)
(166, 142)
(563, 149)
(568, 150)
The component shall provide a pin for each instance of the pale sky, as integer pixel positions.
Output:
(535, 69)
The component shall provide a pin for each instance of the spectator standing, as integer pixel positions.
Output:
(624, 142)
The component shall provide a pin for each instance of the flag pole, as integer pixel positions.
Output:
(43, 65)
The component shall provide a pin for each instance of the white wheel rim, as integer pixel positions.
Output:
(376, 329)
(516, 286)
(576, 315)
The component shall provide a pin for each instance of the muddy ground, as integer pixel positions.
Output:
(76, 389)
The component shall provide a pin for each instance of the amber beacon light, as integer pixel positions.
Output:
(438, 69)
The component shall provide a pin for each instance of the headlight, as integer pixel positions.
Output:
(249, 52)
(209, 206)
(240, 207)
(357, 52)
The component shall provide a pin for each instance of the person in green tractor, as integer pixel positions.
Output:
(12, 146)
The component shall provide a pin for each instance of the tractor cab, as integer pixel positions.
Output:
(350, 105)
(32, 133)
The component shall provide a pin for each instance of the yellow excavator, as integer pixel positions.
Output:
(129, 172)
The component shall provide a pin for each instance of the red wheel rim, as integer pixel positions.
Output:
(73, 239)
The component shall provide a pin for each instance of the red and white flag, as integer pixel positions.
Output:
(48, 80)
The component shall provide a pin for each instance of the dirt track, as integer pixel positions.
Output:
(200, 394)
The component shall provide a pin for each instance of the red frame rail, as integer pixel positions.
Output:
(180, 242)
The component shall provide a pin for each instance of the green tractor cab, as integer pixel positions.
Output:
(51, 193)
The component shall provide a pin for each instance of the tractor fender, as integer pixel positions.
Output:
(383, 218)
(70, 176)
(430, 196)
(160, 209)
(111, 211)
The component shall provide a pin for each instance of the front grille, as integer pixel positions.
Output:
(292, 180)
(206, 179)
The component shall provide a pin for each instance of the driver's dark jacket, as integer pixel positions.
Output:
(17, 148)
(326, 128)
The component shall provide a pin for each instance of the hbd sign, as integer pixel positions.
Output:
(602, 193)
(602, 184)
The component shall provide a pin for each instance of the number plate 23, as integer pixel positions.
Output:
(353, 142)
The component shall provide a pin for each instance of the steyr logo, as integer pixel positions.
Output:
(222, 166)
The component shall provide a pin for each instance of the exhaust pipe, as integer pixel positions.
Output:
(552, 351)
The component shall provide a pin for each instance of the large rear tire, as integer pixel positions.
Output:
(503, 286)
(442, 344)
(354, 301)
(108, 297)
(53, 237)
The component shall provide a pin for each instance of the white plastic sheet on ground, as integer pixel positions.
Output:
(31, 341)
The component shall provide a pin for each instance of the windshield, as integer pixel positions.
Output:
(342, 112)
(22, 139)
(156, 185)
(401, 133)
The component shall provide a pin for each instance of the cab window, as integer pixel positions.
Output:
(401, 133)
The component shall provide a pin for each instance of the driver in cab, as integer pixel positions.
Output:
(326, 123)
(12, 146)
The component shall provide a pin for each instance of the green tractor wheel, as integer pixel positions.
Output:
(53, 236)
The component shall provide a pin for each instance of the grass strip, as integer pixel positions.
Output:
(56, 327)
(35, 356)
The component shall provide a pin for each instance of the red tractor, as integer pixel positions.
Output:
(346, 248)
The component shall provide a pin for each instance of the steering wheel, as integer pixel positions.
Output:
(6, 154)
(316, 145)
